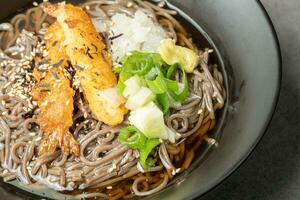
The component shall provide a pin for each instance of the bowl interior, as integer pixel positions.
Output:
(246, 50)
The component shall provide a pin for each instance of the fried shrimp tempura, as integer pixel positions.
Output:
(93, 64)
(55, 99)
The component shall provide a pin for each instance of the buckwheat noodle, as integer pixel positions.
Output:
(105, 168)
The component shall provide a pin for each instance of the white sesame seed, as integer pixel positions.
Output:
(200, 111)
(32, 133)
(26, 62)
(37, 139)
(14, 53)
(178, 170)
(130, 4)
(45, 103)
(28, 57)
(22, 96)
(10, 94)
(109, 187)
(161, 4)
(35, 3)
(27, 77)
(114, 166)
(173, 172)
(45, 53)
(110, 170)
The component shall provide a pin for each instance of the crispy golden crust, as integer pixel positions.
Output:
(85, 49)
(55, 99)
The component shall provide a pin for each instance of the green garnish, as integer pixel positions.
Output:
(145, 152)
(132, 137)
(123, 76)
(168, 90)
(157, 75)
(135, 139)
(163, 102)
(173, 87)
(156, 85)
(139, 63)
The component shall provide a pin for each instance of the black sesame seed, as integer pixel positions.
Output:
(58, 63)
(28, 114)
(70, 70)
(54, 74)
(116, 36)
(45, 90)
(90, 55)
(54, 43)
(46, 61)
(96, 49)
(44, 85)
(39, 55)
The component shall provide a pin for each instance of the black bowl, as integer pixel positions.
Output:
(246, 48)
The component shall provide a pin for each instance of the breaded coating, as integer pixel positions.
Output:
(93, 64)
(54, 96)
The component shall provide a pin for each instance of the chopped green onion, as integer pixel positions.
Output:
(171, 70)
(172, 87)
(123, 76)
(156, 85)
(135, 139)
(158, 77)
(141, 63)
(146, 150)
(163, 102)
(132, 137)
(117, 69)
(150, 162)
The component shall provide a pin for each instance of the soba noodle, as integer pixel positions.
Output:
(105, 168)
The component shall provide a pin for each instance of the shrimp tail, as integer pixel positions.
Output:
(65, 141)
